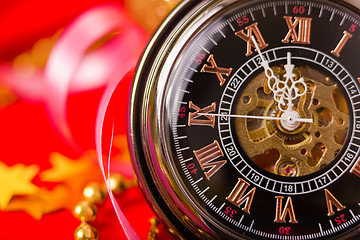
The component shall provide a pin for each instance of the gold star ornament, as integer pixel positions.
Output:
(16, 180)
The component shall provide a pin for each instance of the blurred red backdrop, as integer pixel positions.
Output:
(28, 138)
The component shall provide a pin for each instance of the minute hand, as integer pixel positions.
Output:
(306, 120)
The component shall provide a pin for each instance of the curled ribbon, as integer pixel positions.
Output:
(72, 67)
(88, 28)
(105, 165)
(73, 45)
(75, 63)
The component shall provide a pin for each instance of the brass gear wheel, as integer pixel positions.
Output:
(310, 146)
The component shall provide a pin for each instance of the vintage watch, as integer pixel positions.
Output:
(245, 120)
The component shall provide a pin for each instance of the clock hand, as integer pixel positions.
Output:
(284, 91)
(291, 84)
(289, 75)
(273, 81)
(291, 119)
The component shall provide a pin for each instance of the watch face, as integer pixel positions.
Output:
(256, 121)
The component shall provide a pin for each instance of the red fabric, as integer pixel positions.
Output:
(28, 137)
(23, 22)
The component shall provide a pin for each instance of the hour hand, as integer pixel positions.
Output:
(289, 68)
(293, 85)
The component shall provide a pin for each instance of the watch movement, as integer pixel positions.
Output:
(245, 120)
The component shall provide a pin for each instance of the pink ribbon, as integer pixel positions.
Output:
(73, 45)
(71, 67)
(102, 116)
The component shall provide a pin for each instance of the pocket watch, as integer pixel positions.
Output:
(245, 120)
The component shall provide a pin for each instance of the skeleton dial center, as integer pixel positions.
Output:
(264, 120)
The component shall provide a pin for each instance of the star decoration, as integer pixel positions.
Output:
(75, 173)
(31, 204)
(45, 201)
(16, 180)
(71, 176)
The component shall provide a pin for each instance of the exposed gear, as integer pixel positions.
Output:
(293, 149)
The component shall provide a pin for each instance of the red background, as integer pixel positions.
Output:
(28, 137)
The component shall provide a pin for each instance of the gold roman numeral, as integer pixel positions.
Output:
(342, 43)
(356, 168)
(217, 70)
(195, 118)
(252, 30)
(288, 209)
(206, 157)
(302, 35)
(330, 201)
(237, 196)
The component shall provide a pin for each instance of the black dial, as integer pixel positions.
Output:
(259, 121)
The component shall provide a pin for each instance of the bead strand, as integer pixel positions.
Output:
(95, 194)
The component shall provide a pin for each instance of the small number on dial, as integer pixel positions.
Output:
(191, 167)
(299, 9)
(182, 111)
(341, 219)
(242, 20)
(284, 230)
(229, 211)
(352, 28)
(199, 58)
(288, 188)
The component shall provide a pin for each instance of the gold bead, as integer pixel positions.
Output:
(119, 183)
(153, 231)
(85, 211)
(85, 232)
(95, 193)
(154, 221)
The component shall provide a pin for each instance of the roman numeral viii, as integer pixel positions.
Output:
(206, 157)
